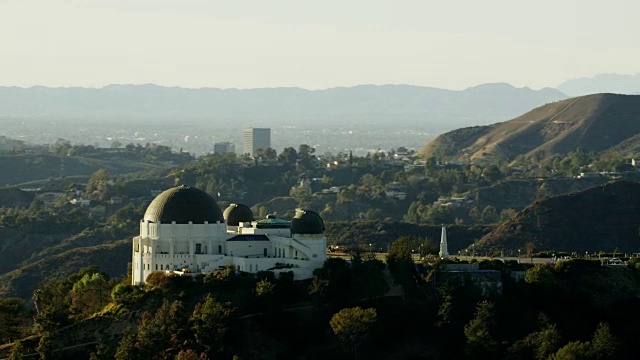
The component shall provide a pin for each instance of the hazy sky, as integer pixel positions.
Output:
(315, 44)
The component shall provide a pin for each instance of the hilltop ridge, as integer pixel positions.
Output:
(594, 123)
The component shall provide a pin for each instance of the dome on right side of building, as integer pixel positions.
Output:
(307, 222)
(235, 214)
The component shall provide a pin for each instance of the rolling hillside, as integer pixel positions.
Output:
(111, 258)
(594, 123)
(602, 218)
(26, 168)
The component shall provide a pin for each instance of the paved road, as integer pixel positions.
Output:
(383, 257)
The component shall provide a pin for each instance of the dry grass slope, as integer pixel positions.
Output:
(594, 123)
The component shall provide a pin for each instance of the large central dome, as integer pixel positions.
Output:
(183, 204)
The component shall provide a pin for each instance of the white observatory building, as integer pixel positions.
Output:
(184, 230)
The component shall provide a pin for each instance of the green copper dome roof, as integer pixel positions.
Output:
(237, 213)
(307, 222)
(273, 222)
(183, 204)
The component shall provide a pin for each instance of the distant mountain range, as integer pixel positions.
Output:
(410, 105)
(603, 83)
(360, 118)
(482, 104)
(593, 122)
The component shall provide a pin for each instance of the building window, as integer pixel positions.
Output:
(198, 248)
(265, 252)
(219, 249)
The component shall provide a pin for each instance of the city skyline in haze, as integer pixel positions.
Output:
(312, 44)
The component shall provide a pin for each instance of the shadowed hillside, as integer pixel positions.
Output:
(111, 258)
(603, 218)
(594, 123)
(34, 167)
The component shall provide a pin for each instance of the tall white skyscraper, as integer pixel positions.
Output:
(254, 139)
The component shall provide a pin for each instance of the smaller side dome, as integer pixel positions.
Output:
(237, 213)
(307, 222)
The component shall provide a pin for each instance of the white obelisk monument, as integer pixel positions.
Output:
(444, 252)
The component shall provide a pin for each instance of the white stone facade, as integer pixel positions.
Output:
(203, 248)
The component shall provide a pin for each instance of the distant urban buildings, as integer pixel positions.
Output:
(254, 139)
(223, 148)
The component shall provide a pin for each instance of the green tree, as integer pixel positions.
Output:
(305, 150)
(444, 317)
(540, 274)
(491, 173)
(90, 294)
(547, 341)
(603, 343)
(127, 349)
(489, 215)
(267, 154)
(507, 214)
(264, 288)
(370, 180)
(475, 215)
(17, 351)
(210, 324)
(150, 342)
(400, 262)
(162, 331)
(98, 185)
(188, 355)
(529, 247)
(61, 147)
(481, 341)
(333, 282)
(368, 277)
(265, 294)
(12, 318)
(105, 350)
(352, 325)
(52, 300)
(126, 294)
(288, 156)
(45, 347)
(575, 350)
